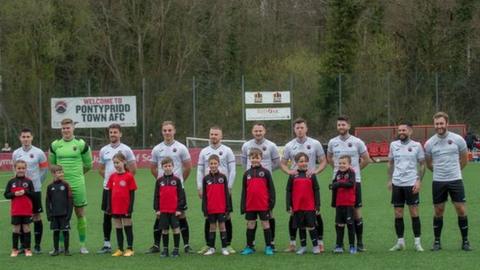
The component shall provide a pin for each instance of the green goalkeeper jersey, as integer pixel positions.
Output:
(73, 156)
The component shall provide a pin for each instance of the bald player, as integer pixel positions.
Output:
(346, 144)
(227, 167)
(313, 148)
(270, 159)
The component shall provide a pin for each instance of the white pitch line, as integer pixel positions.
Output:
(4, 201)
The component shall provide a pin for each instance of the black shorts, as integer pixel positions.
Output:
(304, 219)
(214, 218)
(262, 215)
(37, 202)
(168, 220)
(19, 220)
(121, 216)
(104, 200)
(404, 195)
(358, 195)
(441, 190)
(344, 215)
(60, 223)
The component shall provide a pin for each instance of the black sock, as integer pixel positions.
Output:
(437, 227)
(176, 240)
(107, 227)
(291, 230)
(15, 238)
(399, 227)
(38, 231)
(302, 232)
(314, 237)
(351, 234)
(206, 231)
(250, 237)
(119, 238)
(255, 229)
(129, 234)
(27, 239)
(165, 241)
(340, 232)
(20, 238)
(359, 230)
(211, 239)
(223, 237)
(267, 234)
(156, 233)
(463, 225)
(56, 239)
(272, 228)
(229, 230)
(66, 240)
(319, 227)
(416, 226)
(184, 230)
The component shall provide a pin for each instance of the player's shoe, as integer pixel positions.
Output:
(268, 251)
(291, 248)
(54, 252)
(164, 253)
(117, 253)
(353, 250)
(187, 249)
(128, 253)
(247, 251)
(61, 249)
(321, 246)
(203, 250)
(104, 250)
(209, 252)
(28, 252)
(153, 249)
(361, 247)
(418, 247)
(398, 247)
(67, 253)
(436, 246)
(466, 246)
(338, 249)
(83, 250)
(37, 249)
(301, 250)
(316, 250)
(231, 250)
(14, 253)
(175, 253)
(225, 252)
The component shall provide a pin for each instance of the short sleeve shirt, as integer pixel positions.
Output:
(405, 157)
(36, 161)
(176, 151)
(106, 158)
(313, 148)
(353, 147)
(268, 148)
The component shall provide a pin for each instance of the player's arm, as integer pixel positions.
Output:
(156, 194)
(187, 167)
(288, 193)
(364, 160)
(463, 159)
(428, 162)
(109, 195)
(70, 201)
(200, 174)
(47, 204)
(271, 189)
(244, 156)
(390, 167)
(275, 157)
(8, 194)
(330, 159)
(181, 200)
(132, 166)
(132, 200)
(154, 164)
(86, 158)
(232, 170)
(316, 192)
(52, 154)
(101, 170)
(243, 197)
(43, 165)
(322, 163)
(204, 195)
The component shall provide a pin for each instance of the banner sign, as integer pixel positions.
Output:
(95, 112)
(274, 97)
(266, 114)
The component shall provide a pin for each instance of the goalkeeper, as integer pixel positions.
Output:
(75, 157)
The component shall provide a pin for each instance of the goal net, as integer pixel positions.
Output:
(195, 145)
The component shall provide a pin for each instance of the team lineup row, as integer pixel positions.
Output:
(303, 158)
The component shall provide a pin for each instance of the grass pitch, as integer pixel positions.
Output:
(379, 233)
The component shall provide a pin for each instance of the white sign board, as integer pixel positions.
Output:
(95, 112)
(274, 97)
(266, 114)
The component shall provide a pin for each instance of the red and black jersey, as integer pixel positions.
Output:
(258, 192)
(169, 195)
(121, 190)
(59, 200)
(215, 194)
(343, 188)
(21, 205)
(303, 193)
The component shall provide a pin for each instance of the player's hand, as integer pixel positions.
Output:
(293, 172)
(310, 173)
(200, 194)
(157, 213)
(19, 192)
(416, 187)
(178, 213)
(389, 185)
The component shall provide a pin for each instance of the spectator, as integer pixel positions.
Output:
(6, 148)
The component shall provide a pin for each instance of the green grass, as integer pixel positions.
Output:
(378, 217)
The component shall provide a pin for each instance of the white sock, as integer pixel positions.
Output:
(293, 243)
(401, 241)
(417, 240)
(107, 244)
